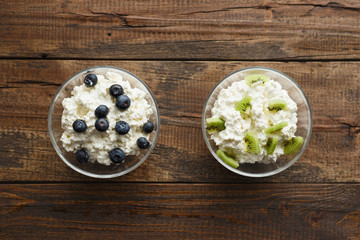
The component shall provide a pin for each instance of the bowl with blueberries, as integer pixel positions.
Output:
(104, 122)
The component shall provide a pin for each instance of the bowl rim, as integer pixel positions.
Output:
(104, 176)
(278, 170)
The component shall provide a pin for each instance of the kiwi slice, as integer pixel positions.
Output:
(252, 143)
(276, 105)
(276, 127)
(292, 144)
(271, 144)
(212, 131)
(215, 125)
(243, 105)
(253, 78)
(227, 159)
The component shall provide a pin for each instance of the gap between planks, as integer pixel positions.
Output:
(186, 59)
(171, 183)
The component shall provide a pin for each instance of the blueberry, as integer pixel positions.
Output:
(117, 155)
(101, 111)
(101, 124)
(79, 125)
(142, 143)
(116, 90)
(122, 102)
(148, 127)
(90, 80)
(82, 156)
(122, 127)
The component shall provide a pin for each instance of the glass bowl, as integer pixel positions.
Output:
(96, 169)
(304, 124)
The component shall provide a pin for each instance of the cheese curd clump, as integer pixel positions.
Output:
(231, 140)
(82, 104)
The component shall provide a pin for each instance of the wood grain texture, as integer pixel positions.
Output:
(161, 29)
(181, 88)
(180, 211)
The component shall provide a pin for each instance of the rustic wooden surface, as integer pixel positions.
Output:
(153, 29)
(181, 91)
(180, 211)
(181, 50)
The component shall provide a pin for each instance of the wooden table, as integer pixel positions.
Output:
(181, 49)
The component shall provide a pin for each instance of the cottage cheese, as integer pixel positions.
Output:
(231, 140)
(82, 104)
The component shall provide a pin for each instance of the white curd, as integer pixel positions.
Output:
(231, 140)
(82, 104)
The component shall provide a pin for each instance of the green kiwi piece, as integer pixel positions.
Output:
(292, 145)
(215, 124)
(276, 105)
(243, 105)
(271, 144)
(252, 143)
(227, 159)
(253, 78)
(211, 131)
(275, 127)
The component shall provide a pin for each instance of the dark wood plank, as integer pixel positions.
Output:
(27, 87)
(180, 211)
(143, 29)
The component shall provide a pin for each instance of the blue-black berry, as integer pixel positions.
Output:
(79, 125)
(117, 155)
(148, 127)
(90, 80)
(116, 90)
(82, 156)
(142, 143)
(122, 127)
(122, 102)
(101, 111)
(101, 124)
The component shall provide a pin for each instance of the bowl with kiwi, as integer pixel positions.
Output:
(257, 122)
